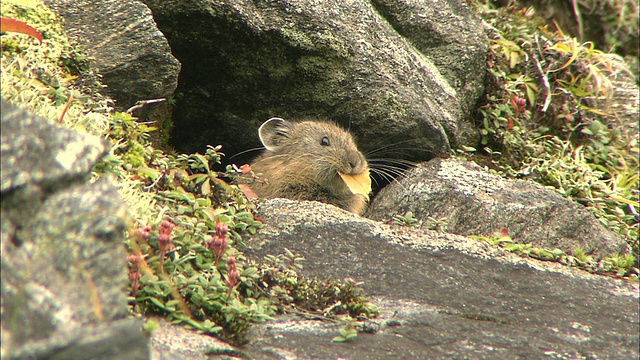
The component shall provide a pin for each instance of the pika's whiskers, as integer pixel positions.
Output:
(246, 152)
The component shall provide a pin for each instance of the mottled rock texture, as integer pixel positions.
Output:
(64, 271)
(125, 45)
(471, 200)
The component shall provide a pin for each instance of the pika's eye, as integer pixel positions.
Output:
(324, 141)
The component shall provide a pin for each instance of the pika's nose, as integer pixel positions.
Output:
(356, 162)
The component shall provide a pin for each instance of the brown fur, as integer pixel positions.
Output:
(296, 165)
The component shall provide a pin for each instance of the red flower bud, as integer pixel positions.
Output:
(221, 228)
(164, 239)
(134, 277)
(143, 233)
(218, 245)
(135, 260)
(231, 261)
(517, 104)
(232, 275)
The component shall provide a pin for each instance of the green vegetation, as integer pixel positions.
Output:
(618, 265)
(42, 77)
(347, 332)
(408, 219)
(551, 114)
(188, 263)
(611, 24)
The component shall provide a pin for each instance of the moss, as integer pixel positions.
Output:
(135, 155)
(297, 38)
(36, 77)
(475, 316)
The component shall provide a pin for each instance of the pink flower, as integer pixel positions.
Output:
(134, 277)
(134, 272)
(135, 260)
(218, 243)
(232, 275)
(143, 233)
(164, 239)
(221, 228)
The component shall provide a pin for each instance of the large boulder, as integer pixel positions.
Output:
(471, 200)
(365, 65)
(440, 296)
(127, 48)
(64, 268)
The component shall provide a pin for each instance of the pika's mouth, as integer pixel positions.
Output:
(358, 183)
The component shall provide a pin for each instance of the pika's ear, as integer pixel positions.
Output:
(272, 132)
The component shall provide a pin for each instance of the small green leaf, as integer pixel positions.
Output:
(531, 95)
(157, 302)
(249, 272)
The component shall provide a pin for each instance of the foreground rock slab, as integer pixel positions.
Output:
(441, 295)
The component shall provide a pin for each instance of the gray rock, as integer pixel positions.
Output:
(171, 342)
(36, 152)
(442, 32)
(244, 62)
(441, 296)
(116, 340)
(624, 100)
(131, 54)
(473, 201)
(64, 269)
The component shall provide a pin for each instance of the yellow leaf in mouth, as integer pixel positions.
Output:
(359, 183)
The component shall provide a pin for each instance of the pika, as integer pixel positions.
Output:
(311, 160)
